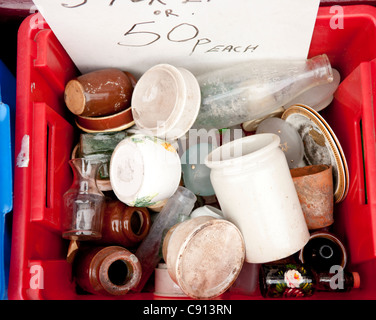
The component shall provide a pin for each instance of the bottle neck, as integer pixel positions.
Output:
(84, 176)
(340, 281)
(321, 67)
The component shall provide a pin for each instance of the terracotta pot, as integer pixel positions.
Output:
(123, 225)
(204, 256)
(314, 185)
(109, 270)
(99, 93)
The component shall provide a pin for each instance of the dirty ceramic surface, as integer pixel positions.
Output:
(204, 256)
(144, 170)
(321, 145)
(255, 191)
(314, 185)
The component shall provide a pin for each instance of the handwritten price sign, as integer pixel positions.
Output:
(199, 35)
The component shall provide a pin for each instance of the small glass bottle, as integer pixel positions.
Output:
(83, 202)
(252, 90)
(298, 280)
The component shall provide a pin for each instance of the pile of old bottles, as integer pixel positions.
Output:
(206, 183)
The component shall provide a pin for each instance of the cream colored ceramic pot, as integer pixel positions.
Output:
(144, 170)
(253, 184)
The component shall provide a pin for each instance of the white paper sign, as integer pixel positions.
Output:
(134, 35)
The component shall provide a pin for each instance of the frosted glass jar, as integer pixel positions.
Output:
(253, 184)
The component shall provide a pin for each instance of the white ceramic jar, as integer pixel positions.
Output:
(144, 170)
(207, 211)
(256, 192)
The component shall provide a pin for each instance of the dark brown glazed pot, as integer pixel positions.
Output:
(109, 270)
(314, 186)
(323, 250)
(99, 93)
(124, 225)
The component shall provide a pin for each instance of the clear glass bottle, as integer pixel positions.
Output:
(298, 280)
(83, 202)
(180, 204)
(252, 90)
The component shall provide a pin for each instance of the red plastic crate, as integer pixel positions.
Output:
(43, 70)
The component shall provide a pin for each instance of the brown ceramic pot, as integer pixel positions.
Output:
(323, 251)
(115, 122)
(99, 93)
(314, 186)
(204, 256)
(123, 225)
(109, 270)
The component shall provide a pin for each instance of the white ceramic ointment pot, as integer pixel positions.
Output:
(144, 170)
(255, 190)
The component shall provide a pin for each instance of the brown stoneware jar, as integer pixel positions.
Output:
(111, 270)
(99, 93)
(123, 225)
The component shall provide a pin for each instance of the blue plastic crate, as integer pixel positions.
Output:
(7, 116)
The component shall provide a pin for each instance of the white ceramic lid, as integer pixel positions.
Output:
(166, 101)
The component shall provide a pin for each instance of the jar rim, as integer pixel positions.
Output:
(243, 150)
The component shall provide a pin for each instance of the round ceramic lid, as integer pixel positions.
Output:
(166, 101)
(321, 146)
(210, 259)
